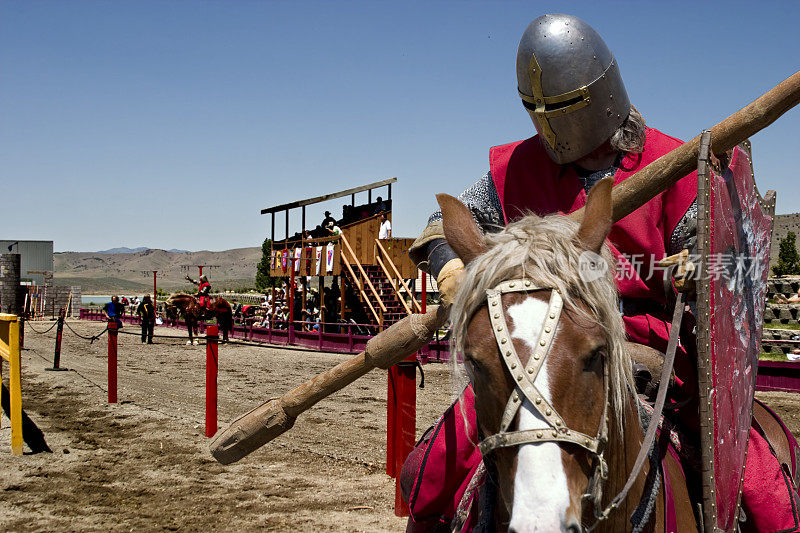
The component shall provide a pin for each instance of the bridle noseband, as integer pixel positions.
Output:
(524, 378)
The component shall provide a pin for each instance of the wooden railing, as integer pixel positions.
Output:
(9, 350)
(354, 260)
(381, 251)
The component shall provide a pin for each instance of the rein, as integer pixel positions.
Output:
(525, 376)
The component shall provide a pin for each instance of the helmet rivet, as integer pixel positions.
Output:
(552, 315)
(494, 304)
(538, 434)
(508, 353)
(499, 328)
(538, 401)
(497, 315)
(513, 365)
(519, 378)
(536, 357)
(511, 285)
(547, 329)
(548, 412)
(503, 341)
(542, 343)
(530, 371)
(558, 422)
(527, 283)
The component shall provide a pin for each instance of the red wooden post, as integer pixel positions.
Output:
(212, 366)
(405, 425)
(391, 421)
(112, 361)
(401, 417)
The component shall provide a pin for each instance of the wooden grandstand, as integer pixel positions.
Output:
(372, 278)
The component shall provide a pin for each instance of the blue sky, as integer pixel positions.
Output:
(170, 124)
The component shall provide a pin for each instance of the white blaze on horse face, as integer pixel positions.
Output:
(541, 497)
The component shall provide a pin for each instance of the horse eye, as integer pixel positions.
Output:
(472, 364)
(595, 356)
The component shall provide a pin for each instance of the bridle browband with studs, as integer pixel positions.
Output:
(524, 378)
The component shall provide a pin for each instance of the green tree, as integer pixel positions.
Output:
(788, 258)
(263, 279)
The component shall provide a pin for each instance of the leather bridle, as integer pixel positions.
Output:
(525, 376)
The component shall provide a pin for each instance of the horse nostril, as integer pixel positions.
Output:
(573, 528)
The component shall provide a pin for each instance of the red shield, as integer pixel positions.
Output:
(734, 229)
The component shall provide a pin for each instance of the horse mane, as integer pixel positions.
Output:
(545, 251)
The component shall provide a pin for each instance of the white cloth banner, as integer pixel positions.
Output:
(318, 252)
(297, 253)
(329, 259)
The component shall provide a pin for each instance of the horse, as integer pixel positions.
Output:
(544, 347)
(187, 306)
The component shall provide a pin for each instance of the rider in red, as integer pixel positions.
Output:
(570, 84)
(203, 291)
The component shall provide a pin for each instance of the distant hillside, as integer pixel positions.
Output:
(126, 250)
(103, 272)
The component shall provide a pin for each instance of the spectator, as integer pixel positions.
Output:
(328, 219)
(386, 228)
(114, 311)
(147, 311)
(237, 308)
(380, 205)
(333, 229)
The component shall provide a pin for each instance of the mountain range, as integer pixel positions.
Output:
(131, 271)
(126, 250)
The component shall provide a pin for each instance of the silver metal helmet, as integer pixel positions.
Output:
(570, 84)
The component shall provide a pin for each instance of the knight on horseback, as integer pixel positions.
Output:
(570, 85)
(203, 292)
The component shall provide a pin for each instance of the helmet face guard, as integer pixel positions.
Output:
(570, 85)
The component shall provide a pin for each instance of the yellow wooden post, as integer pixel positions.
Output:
(9, 350)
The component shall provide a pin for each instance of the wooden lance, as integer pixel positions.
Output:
(276, 416)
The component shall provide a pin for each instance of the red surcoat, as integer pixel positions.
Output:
(203, 289)
(527, 180)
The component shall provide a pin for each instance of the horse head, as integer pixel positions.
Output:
(536, 321)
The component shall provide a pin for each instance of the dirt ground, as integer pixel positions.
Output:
(143, 464)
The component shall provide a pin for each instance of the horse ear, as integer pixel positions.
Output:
(597, 217)
(460, 229)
